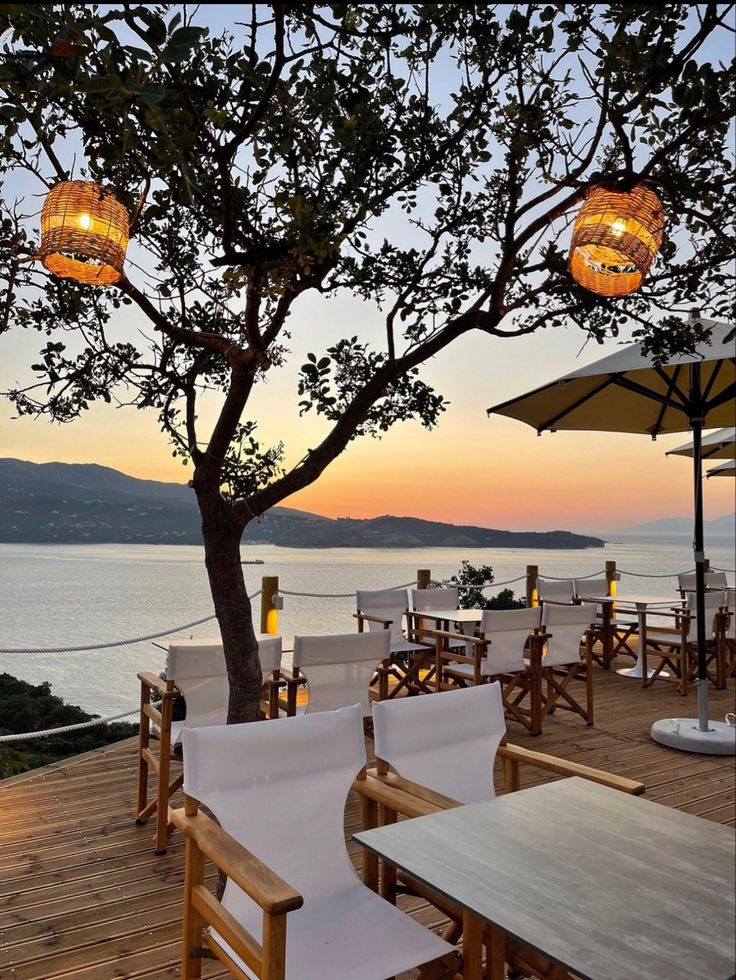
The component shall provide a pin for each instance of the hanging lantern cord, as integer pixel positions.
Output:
(139, 206)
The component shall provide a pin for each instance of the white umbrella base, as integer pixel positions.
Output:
(685, 735)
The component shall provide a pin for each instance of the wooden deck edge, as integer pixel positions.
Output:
(70, 760)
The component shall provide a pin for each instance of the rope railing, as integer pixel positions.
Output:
(341, 595)
(63, 729)
(623, 571)
(481, 588)
(566, 578)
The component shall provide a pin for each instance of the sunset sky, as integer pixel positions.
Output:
(471, 469)
(492, 472)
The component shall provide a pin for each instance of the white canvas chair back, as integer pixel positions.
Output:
(713, 602)
(279, 788)
(566, 625)
(445, 741)
(434, 599)
(387, 604)
(200, 673)
(556, 591)
(508, 631)
(339, 668)
(713, 580)
(592, 587)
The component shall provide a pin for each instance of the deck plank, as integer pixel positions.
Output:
(83, 897)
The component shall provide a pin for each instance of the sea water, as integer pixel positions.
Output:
(67, 595)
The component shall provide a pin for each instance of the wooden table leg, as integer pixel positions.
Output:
(607, 630)
(473, 930)
(495, 954)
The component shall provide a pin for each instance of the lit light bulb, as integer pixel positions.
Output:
(618, 227)
(85, 222)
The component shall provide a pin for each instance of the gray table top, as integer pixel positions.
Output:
(610, 886)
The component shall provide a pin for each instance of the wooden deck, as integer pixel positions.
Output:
(82, 895)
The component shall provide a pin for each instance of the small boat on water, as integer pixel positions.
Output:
(253, 561)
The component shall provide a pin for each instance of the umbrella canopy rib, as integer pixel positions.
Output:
(576, 404)
(671, 386)
(671, 382)
(722, 397)
(712, 380)
(623, 382)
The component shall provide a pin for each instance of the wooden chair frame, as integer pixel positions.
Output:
(680, 656)
(155, 726)
(267, 958)
(161, 762)
(385, 795)
(559, 678)
(516, 686)
(407, 675)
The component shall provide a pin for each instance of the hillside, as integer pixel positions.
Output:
(726, 525)
(82, 503)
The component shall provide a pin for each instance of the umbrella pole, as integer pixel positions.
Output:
(714, 737)
(699, 555)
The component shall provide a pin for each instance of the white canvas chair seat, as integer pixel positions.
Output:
(407, 646)
(339, 669)
(280, 789)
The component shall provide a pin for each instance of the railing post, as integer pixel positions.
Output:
(611, 577)
(532, 572)
(269, 612)
(706, 564)
(424, 578)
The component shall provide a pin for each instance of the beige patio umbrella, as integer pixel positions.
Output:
(720, 444)
(627, 392)
(725, 469)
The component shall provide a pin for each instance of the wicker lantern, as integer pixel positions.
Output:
(84, 233)
(615, 238)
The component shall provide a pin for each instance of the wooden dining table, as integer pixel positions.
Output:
(606, 885)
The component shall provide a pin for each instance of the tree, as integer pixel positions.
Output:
(472, 579)
(278, 158)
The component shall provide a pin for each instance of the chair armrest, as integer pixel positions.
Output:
(154, 683)
(257, 880)
(372, 619)
(447, 635)
(563, 767)
(393, 779)
(395, 797)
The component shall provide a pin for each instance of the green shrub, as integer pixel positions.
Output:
(470, 580)
(28, 707)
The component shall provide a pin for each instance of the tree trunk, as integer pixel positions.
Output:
(222, 536)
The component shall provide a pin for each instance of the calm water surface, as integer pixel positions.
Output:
(59, 595)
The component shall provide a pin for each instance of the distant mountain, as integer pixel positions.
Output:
(82, 503)
(726, 524)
